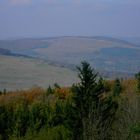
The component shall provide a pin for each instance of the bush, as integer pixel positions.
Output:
(138, 81)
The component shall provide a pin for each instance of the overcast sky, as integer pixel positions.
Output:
(45, 18)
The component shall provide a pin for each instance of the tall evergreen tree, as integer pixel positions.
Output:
(92, 118)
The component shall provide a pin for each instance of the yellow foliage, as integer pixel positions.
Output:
(63, 93)
(17, 96)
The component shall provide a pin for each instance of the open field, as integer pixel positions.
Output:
(21, 73)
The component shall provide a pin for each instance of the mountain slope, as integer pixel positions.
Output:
(21, 73)
(5, 51)
(104, 53)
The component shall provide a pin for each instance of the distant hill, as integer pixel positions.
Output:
(134, 40)
(10, 53)
(109, 55)
(4, 51)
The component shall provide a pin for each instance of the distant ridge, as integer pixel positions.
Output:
(4, 51)
(58, 37)
(103, 53)
(115, 40)
(9, 53)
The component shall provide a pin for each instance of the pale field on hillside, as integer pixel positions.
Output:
(23, 73)
(66, 48)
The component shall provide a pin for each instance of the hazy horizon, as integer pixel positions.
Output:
(53, 18)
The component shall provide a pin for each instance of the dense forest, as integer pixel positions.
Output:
(93, 109)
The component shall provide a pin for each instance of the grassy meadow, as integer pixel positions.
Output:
(23, 73)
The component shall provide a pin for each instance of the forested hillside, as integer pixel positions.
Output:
(93, 109)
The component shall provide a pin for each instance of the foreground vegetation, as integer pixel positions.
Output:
(93, 109)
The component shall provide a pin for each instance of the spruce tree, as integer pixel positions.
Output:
(93, 114)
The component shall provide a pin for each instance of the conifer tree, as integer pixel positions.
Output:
(94, 114)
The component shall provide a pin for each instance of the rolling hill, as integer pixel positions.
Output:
(106, 54)
(23, 73)
(44, 61)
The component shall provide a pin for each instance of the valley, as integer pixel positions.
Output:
(44, 61)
